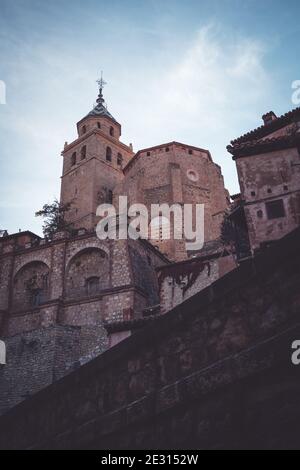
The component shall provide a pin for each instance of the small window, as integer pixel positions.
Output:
(73, 159)
(83, 152)
(167, 149)
(285, 188)
(260, 214)
(108, 154)
(190, 152)
(270, 191)
(253, 193)
(110, 197)
(111, 131)
(148, 154)
(120, 159)
(84, 129)
(275, 209)
(92, 285)
(99, 125)
(36, 297)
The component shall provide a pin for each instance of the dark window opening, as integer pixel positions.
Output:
(83, 153)
(286, 188)
(73, 159)
(269, 191)
(84, 129)
(275, 209)
(99, 125)
(120, 159)
(37, 297)
(253, 193)
(260, 214)
(111, 131)
(167, 149)
(148, 154)
(108, 154)
(92, 285)
(190, 152)
(110, 197)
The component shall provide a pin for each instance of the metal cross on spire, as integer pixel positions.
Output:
(101, 84)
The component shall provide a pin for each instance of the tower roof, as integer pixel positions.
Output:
(100, 109)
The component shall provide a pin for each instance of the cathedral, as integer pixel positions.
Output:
(64, 301)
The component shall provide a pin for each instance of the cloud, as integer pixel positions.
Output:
(211, 80)
(214, 91)
(203, 89)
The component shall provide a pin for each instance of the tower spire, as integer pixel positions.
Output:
(101, 84)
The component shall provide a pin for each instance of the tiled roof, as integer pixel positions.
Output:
(273, 126)
(254, 147)
(100, 111)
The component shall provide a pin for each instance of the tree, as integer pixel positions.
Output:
(54, 218)
(228, 235)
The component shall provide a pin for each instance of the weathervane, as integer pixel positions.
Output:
(101, 84)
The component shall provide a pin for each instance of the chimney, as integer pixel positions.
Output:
(269, 117)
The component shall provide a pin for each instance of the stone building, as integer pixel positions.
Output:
(66, 300)
(268, 166)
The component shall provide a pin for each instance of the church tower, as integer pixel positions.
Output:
(93, 164)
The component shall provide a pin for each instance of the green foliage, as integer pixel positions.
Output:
(54, 218)
(228, 235)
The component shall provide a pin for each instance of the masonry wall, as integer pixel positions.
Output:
(214, 373)
(48, 302)
(176, 174)
(89, 180)
(266, 178)
(178, 282)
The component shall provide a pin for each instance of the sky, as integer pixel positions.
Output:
(198, 72)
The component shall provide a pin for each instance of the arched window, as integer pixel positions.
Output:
(111, 131)
(160, 228)
(73, 159)
(86, 272)
(84, 129)
(83, 152)
(31, 286)
(92, 285)
(108, 154)
(120, 159)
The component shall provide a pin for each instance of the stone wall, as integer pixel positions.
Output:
(213, 373)
(180, 281)
(278, 179)
(176, 174)
(58, 297)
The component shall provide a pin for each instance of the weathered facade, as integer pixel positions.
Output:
(268, 166)
(214, 373)
(65, 301)
(56, 299)
(180, 174)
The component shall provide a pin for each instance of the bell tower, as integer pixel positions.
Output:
(93, 164)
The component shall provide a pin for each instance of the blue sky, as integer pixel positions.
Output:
(200, 72)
